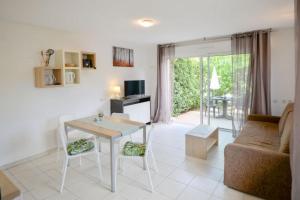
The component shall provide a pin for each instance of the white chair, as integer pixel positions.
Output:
(65, 142)
(145, 158)
(73, 135)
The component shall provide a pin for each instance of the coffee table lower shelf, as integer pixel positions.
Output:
(200, 140)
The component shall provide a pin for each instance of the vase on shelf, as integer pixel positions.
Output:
(46, 55)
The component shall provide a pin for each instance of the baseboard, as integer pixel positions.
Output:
(35, 156)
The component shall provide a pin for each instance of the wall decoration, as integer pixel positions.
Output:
(122, 57)
(46, 55)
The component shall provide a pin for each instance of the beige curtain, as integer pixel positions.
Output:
(251, 76)
(163, 99)
(260, 73)
(295, 139)
(241, 48)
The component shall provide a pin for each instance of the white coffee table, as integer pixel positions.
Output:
(200, 139)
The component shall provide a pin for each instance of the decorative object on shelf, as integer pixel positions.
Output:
(46, 55)
(87, 63)
(88, 60)
(99, 117)
(116, 91)
(50, 77)
(122, 57)
(70, 77)
(100, 114)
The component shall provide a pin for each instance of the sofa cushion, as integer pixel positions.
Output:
(259, 134)
(286, 134)
(289, 108)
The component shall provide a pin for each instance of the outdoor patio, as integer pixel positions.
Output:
(215, 93)
(193, 117)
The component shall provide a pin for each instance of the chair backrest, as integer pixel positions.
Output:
(150, 137)
(121, 115)
(61, 129)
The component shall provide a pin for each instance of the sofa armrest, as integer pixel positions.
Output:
(264, 118)
(257, 171)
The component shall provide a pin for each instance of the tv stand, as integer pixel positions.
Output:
(138, 107)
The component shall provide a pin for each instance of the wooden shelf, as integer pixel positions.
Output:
(50, 67)
(63, 58)
(52, 86)
(48, 77)
(71, 75)
(75, 68)
(61, 74)
(88, 60)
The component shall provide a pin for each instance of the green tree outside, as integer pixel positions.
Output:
(186, 81)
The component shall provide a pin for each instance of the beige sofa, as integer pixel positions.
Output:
(258, 161)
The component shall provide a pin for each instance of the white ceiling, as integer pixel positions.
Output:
(180, 20)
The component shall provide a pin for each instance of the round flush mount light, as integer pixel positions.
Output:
(146, 22)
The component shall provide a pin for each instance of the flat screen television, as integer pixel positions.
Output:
(134, 87)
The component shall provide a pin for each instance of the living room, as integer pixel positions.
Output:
(105, 70)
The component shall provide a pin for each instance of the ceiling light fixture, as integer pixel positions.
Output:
(146, 22)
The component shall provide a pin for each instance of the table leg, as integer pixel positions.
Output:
(144, 141)
(112, 165)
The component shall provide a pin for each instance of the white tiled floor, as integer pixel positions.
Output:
(179, 177)
(193, 117)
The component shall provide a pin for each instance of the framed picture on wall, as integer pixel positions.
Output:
(123, 57)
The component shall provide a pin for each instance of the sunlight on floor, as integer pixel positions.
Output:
(193, 118)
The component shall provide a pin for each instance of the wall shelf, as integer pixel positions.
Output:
(70, 62)
(48, 77)
(66, 70)
(88, 60)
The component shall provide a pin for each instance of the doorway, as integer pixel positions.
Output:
(202, 90)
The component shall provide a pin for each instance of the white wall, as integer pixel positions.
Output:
(204, 49)
(283, 69)
(28, 115)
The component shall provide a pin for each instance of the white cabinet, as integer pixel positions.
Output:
(138, 108)
(139, 112)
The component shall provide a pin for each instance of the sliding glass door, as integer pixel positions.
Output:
(202, 90)
(217, 91)
(186, 90)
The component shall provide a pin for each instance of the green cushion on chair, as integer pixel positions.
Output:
(80, 146)
(134, 149)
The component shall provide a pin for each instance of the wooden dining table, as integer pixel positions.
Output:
(112, 128)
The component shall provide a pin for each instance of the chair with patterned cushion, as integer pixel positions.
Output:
(73, 135)
(77, 149)
(140, 151)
